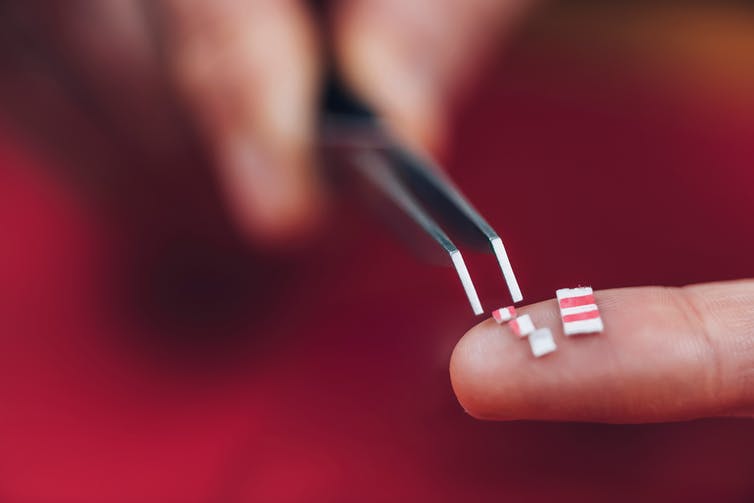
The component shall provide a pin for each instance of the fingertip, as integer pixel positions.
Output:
(496, 376)
(249, 71)
(478, 365)
(665, 354)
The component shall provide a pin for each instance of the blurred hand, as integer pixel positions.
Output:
(247, 73)
(250, 72)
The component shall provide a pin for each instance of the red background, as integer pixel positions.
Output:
(182, 370)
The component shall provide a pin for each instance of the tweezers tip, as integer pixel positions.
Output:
(468, 285)
(505, 266)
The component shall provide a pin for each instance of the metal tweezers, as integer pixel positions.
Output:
(410, 182)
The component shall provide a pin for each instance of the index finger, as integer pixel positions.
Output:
(665, 354)
(248, 71)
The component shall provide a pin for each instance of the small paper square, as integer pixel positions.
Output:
(542, 342)
(522, 326)
(504, 314)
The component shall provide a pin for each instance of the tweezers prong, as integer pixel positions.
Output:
(457, 210)
(413, 183)
(505, 266)
(375, 168)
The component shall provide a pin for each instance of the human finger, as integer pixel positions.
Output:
(249, 71)
(409, 59)
(665, 354)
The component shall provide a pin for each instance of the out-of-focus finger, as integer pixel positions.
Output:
(666, 354)
(249, 70)
(411, 58)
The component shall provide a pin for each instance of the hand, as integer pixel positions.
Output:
(666, 354)
(250, 71)
(247, 73)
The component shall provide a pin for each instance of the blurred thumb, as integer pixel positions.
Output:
(410, 59)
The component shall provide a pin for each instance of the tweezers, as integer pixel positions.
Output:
(404, 178)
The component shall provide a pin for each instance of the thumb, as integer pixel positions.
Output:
(665, 354)
(409, 59)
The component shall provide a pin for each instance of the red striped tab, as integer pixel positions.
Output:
(582, 300)
(579, 311)
(504, 314)
(589, 315)
(522, 326)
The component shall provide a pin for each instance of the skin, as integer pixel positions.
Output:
(246, 74)
(258, 107)
(666, 354)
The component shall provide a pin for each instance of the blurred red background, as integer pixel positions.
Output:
(139, 364)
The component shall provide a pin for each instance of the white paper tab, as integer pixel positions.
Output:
(542, 342)
(522, 326)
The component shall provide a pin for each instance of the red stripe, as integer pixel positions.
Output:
(514, 326)
(577, 301)
(498, 315)
(589, 315)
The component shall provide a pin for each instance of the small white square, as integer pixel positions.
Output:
(522, 326)
(541, 342)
